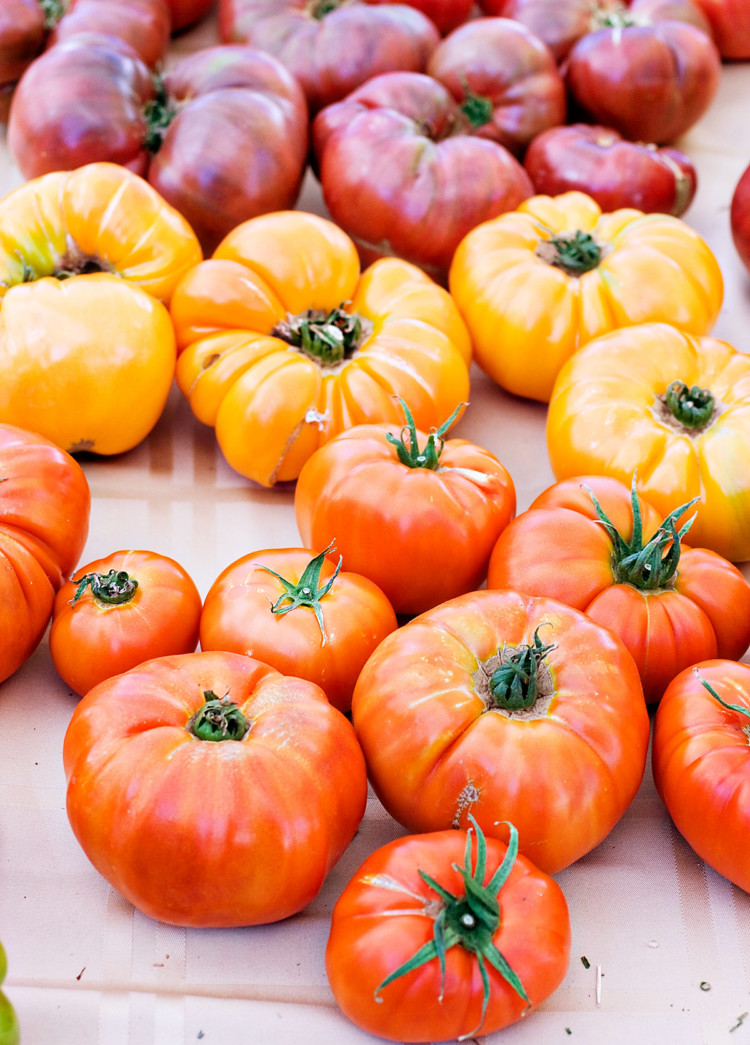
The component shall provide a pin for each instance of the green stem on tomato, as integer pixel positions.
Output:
(477, 108)
(53, 11)
(114, 588)
(218, 719)
(308, 590)
(514, 684)
(575, 252)
(158, 113)
(407, 446)
(691, 405)
(326, 337)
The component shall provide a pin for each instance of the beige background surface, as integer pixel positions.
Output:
(86, 969)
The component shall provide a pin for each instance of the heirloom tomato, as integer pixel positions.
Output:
(118, 611)
(670, 407)
(445, 14)
(331, 46)
(538, 283)
(299, 613)
(187, 12)
(591, 544)
(284, 343)
(730, 26)
(739, 217)
(211, 790)
(450, 937)
(502, 705)
(87, 348)
(701, 763)
(44, 521)
(9, 1029)
(415, 513)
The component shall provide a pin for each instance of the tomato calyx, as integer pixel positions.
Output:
(652, 565)
(693, 406)
(114, 588)
(308, 590)
(477, 108)
(320, 8)
(518, 680)
(407, 446)
(613, 16)
(574, 252)
(469, 921)
(158, 113)
(53, 11)
(724, 703)
(218, 719)
(326, 337)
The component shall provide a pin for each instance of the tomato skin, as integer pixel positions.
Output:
(92, 640)
(225, 833)
(435, 753)
(44, 519)
(739, 217)
(701, 767)
(356, 616)
(422, 536)
(367, 934)
(445, 14)
(187, 12)
(730, 26)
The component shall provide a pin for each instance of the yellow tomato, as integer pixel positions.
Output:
(284, 343)
(535, 284)
(673, 409)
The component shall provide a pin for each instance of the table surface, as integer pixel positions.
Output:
(85, 967)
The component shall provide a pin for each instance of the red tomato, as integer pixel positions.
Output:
(505, 706)
(449, 938)
(739, 217)
(415, 513)
(445, 14)
(187, 12)
(117, 612)
(619, 563)
(299, 614)
(701, 763)
(211, 790)
(730, 25)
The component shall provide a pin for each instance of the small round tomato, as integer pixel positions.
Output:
(450, 938)
(739, 217)
(297, 612)
(117, 612)
(416, 514)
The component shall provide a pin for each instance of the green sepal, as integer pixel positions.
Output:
(307, 591)
(407, 446)
(514, 684)
(114, 588)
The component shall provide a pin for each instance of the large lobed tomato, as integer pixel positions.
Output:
(87, 348)
(103, 103)
(672, 408)
(591, 544)
(284, 343)
(118, 611)
(414, 512)
(44, 520)
(211, 790)
(539, 283)
(505, 706)
(450, 938)
(739, 217)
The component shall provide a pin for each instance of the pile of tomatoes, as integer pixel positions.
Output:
(503, 189)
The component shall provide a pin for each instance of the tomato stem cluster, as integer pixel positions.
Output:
(158, 113)
(218, 719)
(692, 406)
(574, 252)
(114, 588)
(407, 447)
(307, 591)
(327, 337)
(514, 685)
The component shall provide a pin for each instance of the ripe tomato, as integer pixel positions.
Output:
(118, 611)
(537, 284)
(730, 25)
(297, 612)
(591, 544)
(415, 513)
(423, 915)
(445, 14)
(211, 790)
(503, 705)
(44, 521)
(701, 763)
(739, 216)
(670, 407)
(187, 12)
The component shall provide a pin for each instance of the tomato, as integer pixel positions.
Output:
(701, 764)
(44, 519)
(187, 12)
(297, 612)
(423, 915)
(118, 611)
(537, 284)
(739, 217)
(591, 544)
(414, 512)
(730, 25)
(104, 104)
(9, 1029)
(614, 172)
(503, 77)
(331, 46)
(211, 790)
(445, 14)
(87, 348)
(505, 706)
(403, 170)
(284, 343)
(671, 407)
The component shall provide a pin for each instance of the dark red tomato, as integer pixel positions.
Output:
(446, 14)
(739, 217)
(187, 12)
(730, 25)
(615, 172)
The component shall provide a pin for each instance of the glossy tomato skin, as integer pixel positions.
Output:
(739, 217)
(730, 26)
(436, 751)
(559, 548)
(527, 313)
(356, 616)
(217, 833)
(421, 535)
(445, 14)
(92, 639)
(613, 171)
(44, 519)
(402, 171)
(700, 764)
(382, 918)
(616, 385)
